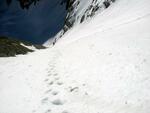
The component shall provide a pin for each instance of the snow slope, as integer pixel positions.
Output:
(77, 12)
(100, 66)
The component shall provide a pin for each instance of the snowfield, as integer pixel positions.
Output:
(100, 66)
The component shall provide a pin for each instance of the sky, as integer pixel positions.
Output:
(35, 25)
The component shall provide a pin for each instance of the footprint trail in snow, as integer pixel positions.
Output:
(53, 96)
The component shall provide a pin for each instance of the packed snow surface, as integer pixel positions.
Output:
(100, 66)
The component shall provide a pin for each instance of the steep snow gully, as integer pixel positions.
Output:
(99, 66)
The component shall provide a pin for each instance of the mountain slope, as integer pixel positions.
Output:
(100, 66)
(79, 11)
(37, 24)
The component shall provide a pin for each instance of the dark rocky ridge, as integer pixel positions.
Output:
(12, 47)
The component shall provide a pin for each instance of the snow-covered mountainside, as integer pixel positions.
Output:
(77, 12)
(99, 66)
(80, 10)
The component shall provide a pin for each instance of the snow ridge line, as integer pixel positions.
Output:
(110, 28)
(127, 22)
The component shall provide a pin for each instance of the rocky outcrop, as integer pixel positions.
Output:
(12, 47)
(73, 16)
